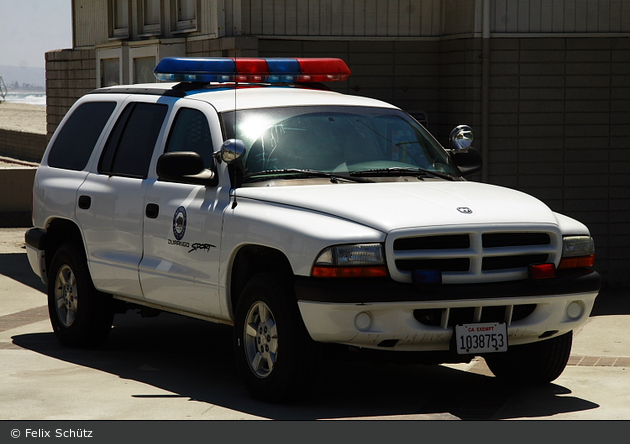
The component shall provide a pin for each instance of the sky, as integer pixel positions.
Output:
(30, 28)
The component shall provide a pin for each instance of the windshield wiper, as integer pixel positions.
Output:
(334, 177)
(397, 171)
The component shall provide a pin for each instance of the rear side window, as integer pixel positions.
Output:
(76, 140)
(130, 146)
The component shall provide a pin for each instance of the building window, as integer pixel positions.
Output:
(185, 15)
(151, 17)
(119, 18)
(143, 69)
(110, 72)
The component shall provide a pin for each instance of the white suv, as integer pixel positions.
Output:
(246, 194)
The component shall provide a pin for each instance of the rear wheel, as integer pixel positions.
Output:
(272, 349)
(80, 315)
(539, 362)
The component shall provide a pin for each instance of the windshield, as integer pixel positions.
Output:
(335, 139)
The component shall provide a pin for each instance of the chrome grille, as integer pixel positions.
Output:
(500, 254)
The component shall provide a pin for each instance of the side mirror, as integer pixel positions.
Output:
(468, 161)
(184, 166)
(467, 158)
(232, 152)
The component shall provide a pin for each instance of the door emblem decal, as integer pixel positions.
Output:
(464, 210)
(179, 223)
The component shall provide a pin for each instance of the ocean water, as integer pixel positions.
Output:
(27, 97)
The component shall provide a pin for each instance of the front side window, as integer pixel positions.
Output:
(76, 140)
(130, 145)
(190, 132)
(335, 139)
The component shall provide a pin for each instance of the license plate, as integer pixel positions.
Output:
(481, 338)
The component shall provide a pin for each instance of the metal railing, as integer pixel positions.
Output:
(3, 89)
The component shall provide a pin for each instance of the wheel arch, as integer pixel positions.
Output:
(251, 260)
(58, 232)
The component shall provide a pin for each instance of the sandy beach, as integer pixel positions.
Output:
(23, 117)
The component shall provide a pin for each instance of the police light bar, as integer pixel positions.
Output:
(251, 70)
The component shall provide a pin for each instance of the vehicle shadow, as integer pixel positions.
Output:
(193, 359)
(15, 266)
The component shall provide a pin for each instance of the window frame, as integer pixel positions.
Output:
(116, 31)
(181, 25)
(150, 29)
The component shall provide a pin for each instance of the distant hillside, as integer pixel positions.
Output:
(31, 76)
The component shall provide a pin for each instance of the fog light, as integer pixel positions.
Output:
(575, 310)
(363, 321)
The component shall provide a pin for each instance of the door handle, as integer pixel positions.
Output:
(85, 202)
(152, 211)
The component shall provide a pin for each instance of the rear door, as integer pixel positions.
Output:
(110, 201)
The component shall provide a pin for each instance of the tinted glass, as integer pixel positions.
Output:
(190, 132)
(130, 146)
(334, 139)
(76, 140)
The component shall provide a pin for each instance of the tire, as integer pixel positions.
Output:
(272, 349)
(80, 315)
(536, 363)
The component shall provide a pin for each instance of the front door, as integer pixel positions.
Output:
(182, 225)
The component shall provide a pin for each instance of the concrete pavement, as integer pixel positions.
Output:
(175, 368)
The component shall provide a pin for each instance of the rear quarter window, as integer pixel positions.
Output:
(76, 140)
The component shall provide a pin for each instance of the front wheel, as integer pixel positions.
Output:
(539, 362)
(272, 349)
(80, 315)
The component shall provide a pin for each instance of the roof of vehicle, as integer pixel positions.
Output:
(228, 97)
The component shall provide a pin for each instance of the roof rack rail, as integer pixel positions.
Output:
(171, 92)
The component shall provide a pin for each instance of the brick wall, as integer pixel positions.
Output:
(405, 73)
(246, 46)
(70, 74)
(560, 130)
(22, 145)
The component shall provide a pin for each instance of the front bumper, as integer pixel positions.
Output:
(389, 315)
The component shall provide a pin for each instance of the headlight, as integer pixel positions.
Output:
(357, 260)
(577, 252)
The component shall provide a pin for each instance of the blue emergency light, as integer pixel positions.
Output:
(251, 70)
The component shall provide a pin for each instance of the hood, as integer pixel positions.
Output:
(397, 205)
